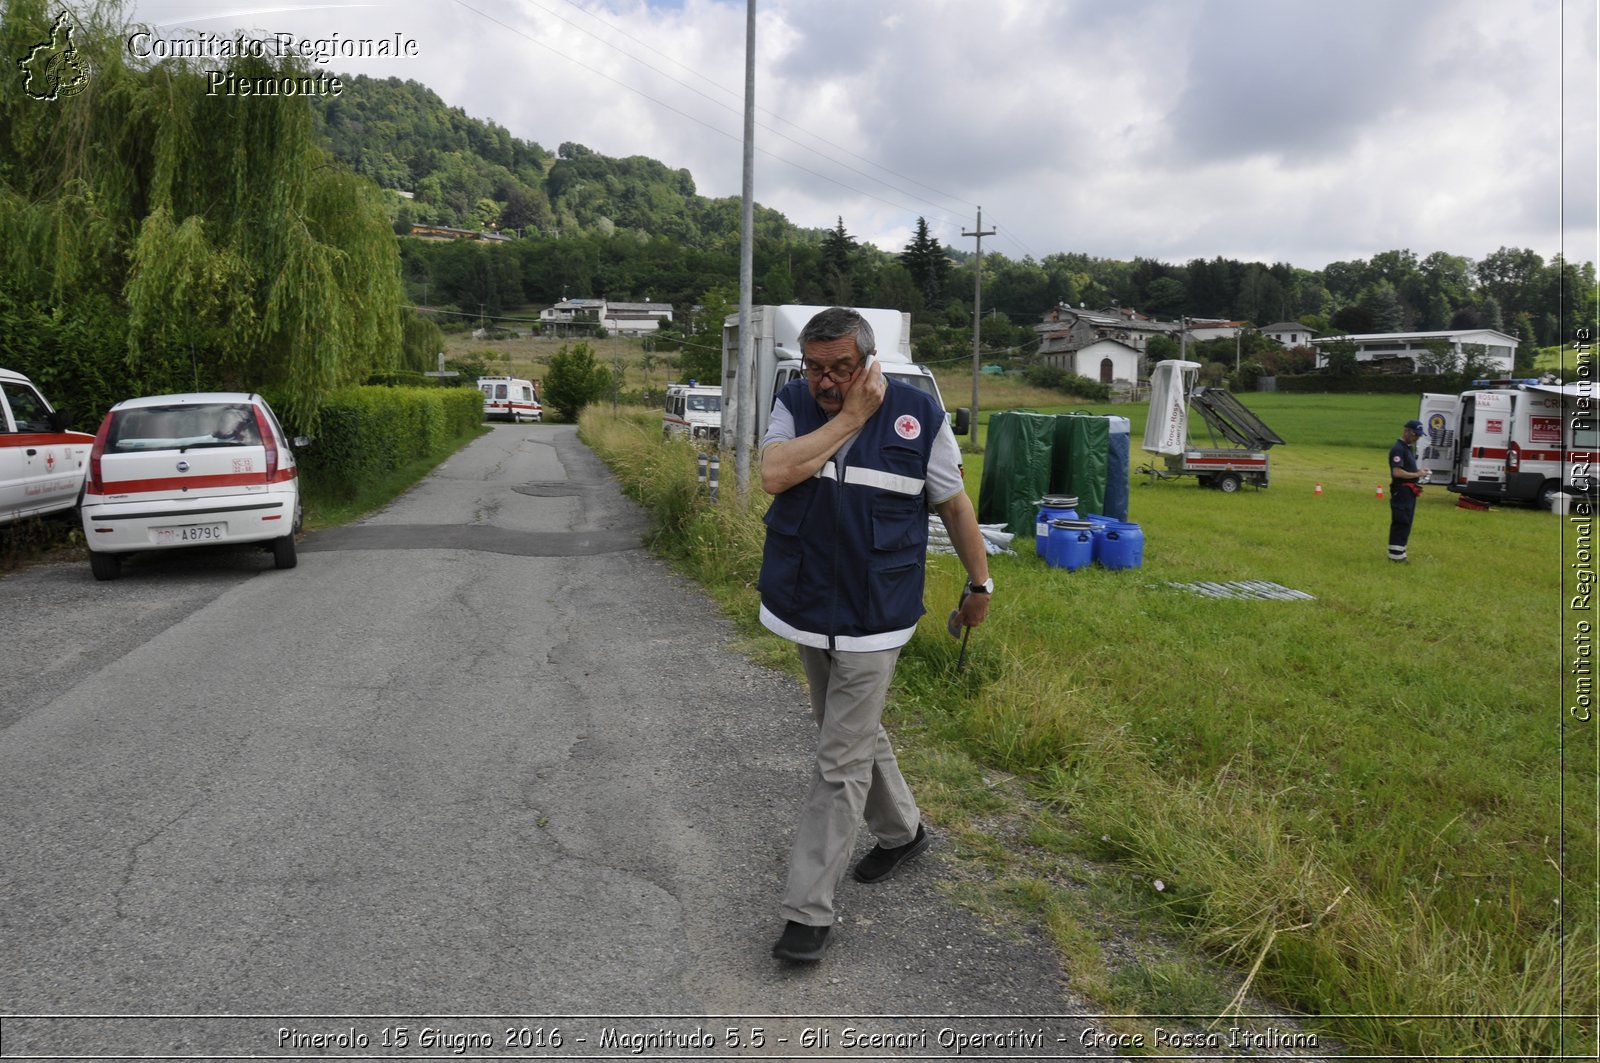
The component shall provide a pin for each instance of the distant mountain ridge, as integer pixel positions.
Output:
(445, 167)
(471, 173)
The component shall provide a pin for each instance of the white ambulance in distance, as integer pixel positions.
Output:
(1512, 440)
(515, 400)
(42, 465)
(692, 412)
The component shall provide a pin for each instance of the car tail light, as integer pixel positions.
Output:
(269, 442)
(96, 485)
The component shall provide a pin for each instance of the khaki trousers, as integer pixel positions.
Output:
(855, 774)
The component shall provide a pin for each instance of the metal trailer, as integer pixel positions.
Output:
(1239, 439)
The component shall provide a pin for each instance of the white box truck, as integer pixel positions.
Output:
(777, 360)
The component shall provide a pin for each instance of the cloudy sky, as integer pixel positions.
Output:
(1301, 131)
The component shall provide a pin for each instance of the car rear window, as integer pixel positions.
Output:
(182, 427)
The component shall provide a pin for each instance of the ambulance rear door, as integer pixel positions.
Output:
(1436, 452)
(1486, 437)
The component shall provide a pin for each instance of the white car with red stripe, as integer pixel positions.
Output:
(190, 470)
(41, 463)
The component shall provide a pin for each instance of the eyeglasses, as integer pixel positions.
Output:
(837, 374)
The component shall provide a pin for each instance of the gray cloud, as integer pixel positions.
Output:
(1276, 129)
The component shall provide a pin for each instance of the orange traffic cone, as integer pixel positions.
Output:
(1318, 491)
(1380, 492)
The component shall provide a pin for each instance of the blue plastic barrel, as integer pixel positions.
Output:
(1070, 546)
(1052, 507)
(1122, 547)
(1098, 525)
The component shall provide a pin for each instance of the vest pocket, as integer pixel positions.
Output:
(894, 597)
(782, 558)
(898, 523)
(787, 513)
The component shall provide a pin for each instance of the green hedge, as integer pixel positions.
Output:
(368, 432)
(1050, 376)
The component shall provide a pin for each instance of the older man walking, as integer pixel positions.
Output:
(854, 461)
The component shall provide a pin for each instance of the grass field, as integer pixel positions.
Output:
(528, 357)
(1566, 360)
(1372, 804)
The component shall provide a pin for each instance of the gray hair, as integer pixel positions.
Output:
(835, 323)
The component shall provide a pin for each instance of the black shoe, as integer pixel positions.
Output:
(881, 863)
(801, 943)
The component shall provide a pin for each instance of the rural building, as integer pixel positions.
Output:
(446, 232)
(627, 319)
(636, 319)
(568, 311)
(1289, 333)
(1408, 351)
(1065, 330)
(1201, 329)
(1107, 361)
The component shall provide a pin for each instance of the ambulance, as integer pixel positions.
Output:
(42, 465)
(692, 411)
(1512, 440)
(509, 397)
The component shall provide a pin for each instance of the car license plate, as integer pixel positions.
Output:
(190, 533)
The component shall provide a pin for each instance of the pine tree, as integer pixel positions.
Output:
(924, 259)
(840, 252)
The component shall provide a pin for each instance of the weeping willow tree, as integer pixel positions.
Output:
(156, 238)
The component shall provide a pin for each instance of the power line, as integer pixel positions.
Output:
(718, 85)
(701, 122)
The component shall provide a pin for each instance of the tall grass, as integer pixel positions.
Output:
(1357, 799)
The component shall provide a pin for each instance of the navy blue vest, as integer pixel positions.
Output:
(846, 549)
(1401, 457)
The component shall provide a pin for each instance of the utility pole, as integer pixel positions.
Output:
(977, 317)
(744, 376)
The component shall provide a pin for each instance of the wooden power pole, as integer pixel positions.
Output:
(977, 318)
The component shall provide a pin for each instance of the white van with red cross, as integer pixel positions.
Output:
(1511, 441)
(514, 399)
(41, 463)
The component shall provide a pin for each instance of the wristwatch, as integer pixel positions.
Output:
(986, 587)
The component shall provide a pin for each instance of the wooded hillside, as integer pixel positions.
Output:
(635, 229)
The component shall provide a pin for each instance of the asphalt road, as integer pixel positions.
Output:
(479, 754)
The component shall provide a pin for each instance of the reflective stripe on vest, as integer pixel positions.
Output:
(887, 481)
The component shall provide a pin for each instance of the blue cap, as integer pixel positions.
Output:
(1416, 426)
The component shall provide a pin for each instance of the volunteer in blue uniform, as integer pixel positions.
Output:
(1404, 487)
(854, 461)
